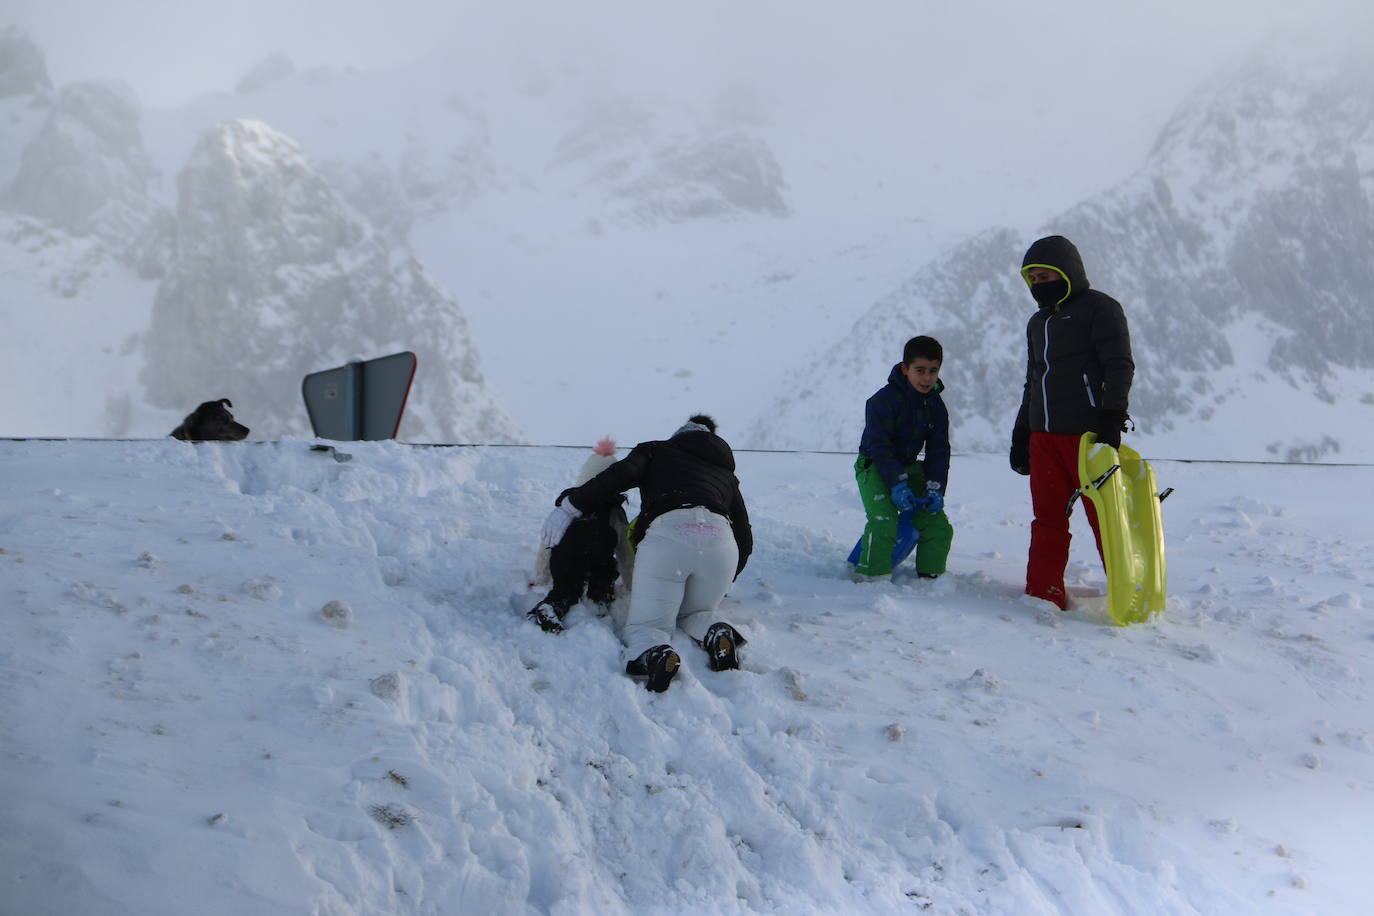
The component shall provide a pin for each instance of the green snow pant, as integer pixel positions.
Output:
(880, 534)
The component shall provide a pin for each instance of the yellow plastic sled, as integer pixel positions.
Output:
(1123, 489)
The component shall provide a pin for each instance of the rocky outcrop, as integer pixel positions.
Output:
(86, 172)
(274, 276)
(275, 66)
(23, 69)
(722, 171)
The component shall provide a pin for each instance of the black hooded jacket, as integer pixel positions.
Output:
(1078, 350)
(693, 468)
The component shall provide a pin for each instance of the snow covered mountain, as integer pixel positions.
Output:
(1243, 252)
(624, 256)
(253, 274)
(272, 274)
(86, 172)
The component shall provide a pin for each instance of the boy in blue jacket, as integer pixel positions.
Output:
(903, 497)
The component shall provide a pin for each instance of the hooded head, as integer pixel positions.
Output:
(1057, 254)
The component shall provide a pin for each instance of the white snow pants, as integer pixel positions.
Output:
(683, 567)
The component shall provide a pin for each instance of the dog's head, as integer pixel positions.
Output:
(211, 421)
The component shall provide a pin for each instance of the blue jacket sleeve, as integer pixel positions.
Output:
(878, 442)
(936, 461)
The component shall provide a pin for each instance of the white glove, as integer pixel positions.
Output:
(557, 523)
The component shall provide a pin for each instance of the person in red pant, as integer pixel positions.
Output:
(1078, 379)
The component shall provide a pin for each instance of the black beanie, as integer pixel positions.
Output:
(702, 419)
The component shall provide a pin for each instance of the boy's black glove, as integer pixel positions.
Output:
(1110, 424)
(1020, 451)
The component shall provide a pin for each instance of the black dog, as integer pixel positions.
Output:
(213, 421)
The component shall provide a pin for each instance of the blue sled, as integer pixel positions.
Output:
(907, 536)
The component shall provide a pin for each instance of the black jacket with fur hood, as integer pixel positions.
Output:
(693, 468)
(1079, 350)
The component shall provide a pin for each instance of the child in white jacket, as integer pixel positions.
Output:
(590, 555)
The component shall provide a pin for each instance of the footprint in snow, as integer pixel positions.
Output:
(1199, 653)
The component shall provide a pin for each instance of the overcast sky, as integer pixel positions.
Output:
(1073, 87)
(169, 49)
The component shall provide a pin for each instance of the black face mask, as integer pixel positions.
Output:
(1048, 294)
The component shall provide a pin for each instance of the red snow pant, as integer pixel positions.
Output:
(1053, 480)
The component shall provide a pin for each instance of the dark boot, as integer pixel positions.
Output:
(658, 664)
(549, 616)
(721, 643)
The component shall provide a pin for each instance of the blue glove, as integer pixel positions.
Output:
(934, 501)
(902, 497)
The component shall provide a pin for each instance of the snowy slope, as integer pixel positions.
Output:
(72, 315)
(185, 729)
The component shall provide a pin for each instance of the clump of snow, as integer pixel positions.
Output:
(338, 613)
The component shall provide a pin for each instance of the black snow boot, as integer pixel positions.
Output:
(548, 616)
(658, 664)
(721, 643)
